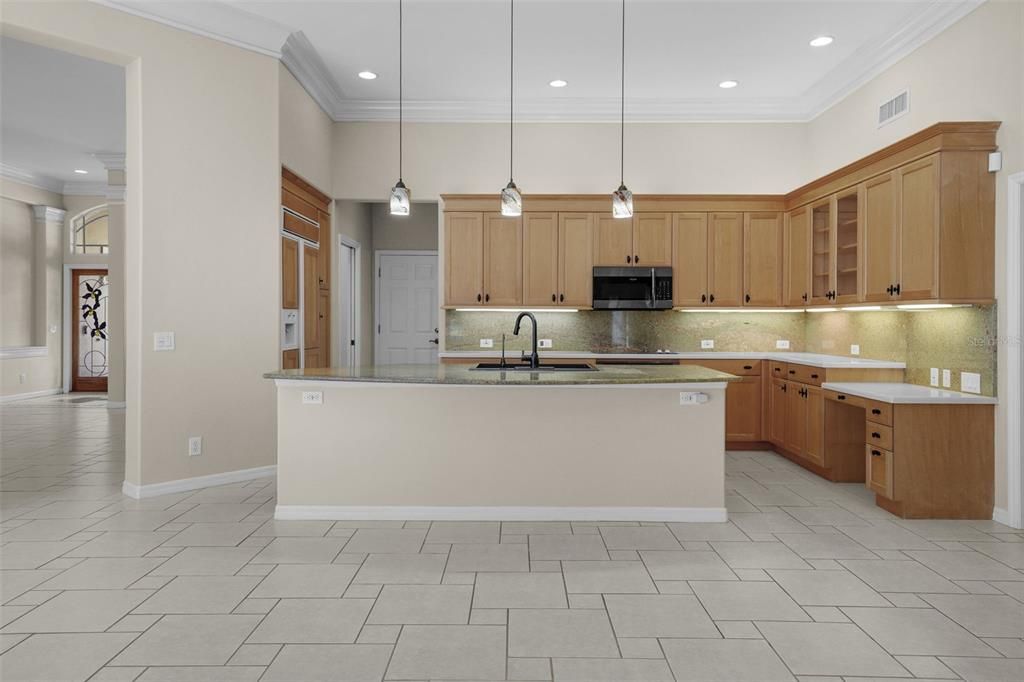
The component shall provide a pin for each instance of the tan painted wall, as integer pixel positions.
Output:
(202, 217)
(414, 232)
(17, 268)
(306, 133)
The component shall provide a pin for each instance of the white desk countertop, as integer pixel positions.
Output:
(896, 393)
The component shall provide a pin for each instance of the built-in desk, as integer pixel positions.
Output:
(925, 452)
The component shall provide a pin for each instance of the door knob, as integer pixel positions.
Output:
(433, 340)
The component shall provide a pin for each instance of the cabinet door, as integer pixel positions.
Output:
(289, 273)
(777, 409)
(312, 358)
(323, 316)
(690, 259)
(575, 259)
(540, 259)
(797, 269)
(919, 229)
(290, 359)
(814, 410)
(879, 237)
(614, 241)
(849, 276)
(762, 259)
(725, 259)
(464, 258)
(822, 252)
(310, 292)
(796, 419)
(743, 410)
(503, 260)
(879, 471)
(324, 276)
(652, 239)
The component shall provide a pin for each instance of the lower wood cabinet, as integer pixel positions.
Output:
(777, 412)
(878, 469)
(743, 410)
(289, 273)
(290, 359)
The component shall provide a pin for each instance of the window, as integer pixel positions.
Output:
(89, 232)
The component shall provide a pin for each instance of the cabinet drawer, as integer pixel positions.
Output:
(845, 398)
(880, 413)
(878, 435)
(806, 375)
(878, 469)
(743, 368)
(779, 369)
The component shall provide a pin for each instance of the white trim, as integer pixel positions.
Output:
(303, 61)
(26, 177)
(184, 484)
(15, 352)
(26, 396)
(1000, 515)
(84, 189)
(302, 512)
(376, 290)
(346, 242)
(112, 161)
(371, 383)
(66, 311)
(48, 214)
(1014, 335)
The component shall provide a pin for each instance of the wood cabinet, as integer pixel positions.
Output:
(575, 259)
(725, 259)
(310, 299)
(557, 259)
(918, 186)
(797, 258)
(324, 261)
(878, 466)
(323, 313)
(652, 239)
(814, 416)
(743, 410)
(540, 259)
(503, 260)
(290, 359)
(483, 259)
(613, 244)
(762, 259)
(464, 258)
(879, 236)
(848, 278)
(289, 273)
(777, 403)
(690, 259)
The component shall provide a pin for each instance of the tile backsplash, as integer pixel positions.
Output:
(958, 339)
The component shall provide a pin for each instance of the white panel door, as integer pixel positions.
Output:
(407, 330)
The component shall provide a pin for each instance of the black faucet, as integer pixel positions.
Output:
(534, 358)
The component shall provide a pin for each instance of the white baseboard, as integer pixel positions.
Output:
(346, 513)
(185, 484)
(1000, 515)
(28, 396)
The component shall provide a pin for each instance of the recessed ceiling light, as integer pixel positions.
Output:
(367, 75)
(728, 84)
(558, 83)
(81, 172)
(822, 41)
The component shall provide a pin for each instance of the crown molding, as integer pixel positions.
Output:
(303, 61)
(48, 214)
(84, 189)
(31, 179)
(112, 161)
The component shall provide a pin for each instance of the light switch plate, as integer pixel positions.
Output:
(487, 343)
(782, 344)
(947, 378)
(854, 349)
(970, 382)
(934, 377)
(312, 397)
(707, 344)
(163, 340)
(544, 343)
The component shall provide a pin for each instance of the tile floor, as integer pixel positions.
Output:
(809, 580)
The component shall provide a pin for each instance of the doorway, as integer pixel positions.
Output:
(406, 295)
(90, 291)
(348, 302)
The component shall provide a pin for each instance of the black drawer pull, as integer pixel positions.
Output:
(792, 371)
(875, 410)
(747, 367)
(814, 376)
(552, 298)
(840, 397)
(875, 434)
(876, 453)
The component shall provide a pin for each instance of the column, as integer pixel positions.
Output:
(116, 181)
(48, 314)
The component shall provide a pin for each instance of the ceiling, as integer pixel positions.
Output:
(677, 51)
(58, 110)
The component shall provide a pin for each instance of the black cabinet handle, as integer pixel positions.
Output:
(636, 259)
(629, 259)
(703, 298)
(711, 298)
(561, 298)
(553, 298)
(876, 453)
(897, 290)
(747, 367)
(889, 290)
(487, 298)
(875, 410)
(876, 434)
(784, 389)
(814, 376)
(804, 296)
(792, 371)
(478, 297)
(840, 397)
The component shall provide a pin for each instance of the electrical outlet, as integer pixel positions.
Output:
(934, 376)
(854, 349)
(22, 377)
(163, 340)
(487, 343)
(544, 343)
(947, 378)
(312, 397)
(707, 344)
(195, 446)
(782, 344)
(970, 382)
(691, 398)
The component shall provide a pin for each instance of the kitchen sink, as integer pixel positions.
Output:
(568, 367)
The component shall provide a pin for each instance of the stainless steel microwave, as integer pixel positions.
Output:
(635, 288)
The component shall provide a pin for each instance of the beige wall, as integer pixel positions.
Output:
(353, 219)
(17, 273)
(306, 133)
(414, 232)
(571, 158)
(202, 217)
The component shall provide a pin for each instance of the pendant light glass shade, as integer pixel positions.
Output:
(400, 199)
(512, 200)
(622, 203)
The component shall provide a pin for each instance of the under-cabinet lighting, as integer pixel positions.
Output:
(517, 310)
(822, 310)
(861, 308)
(932, 306)
(740, 310)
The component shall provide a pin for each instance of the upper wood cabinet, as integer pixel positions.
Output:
(575, 259)
(918, 185)
(725, 259)
(879, 237)
(540, 259)
(652, 239)
(613, 244)
(289, 273)
(503, 260)
(797, 258)
(690, 259)
(762, 259)
(310, 294)
(847, 207)
(822, 252)
(464, 258)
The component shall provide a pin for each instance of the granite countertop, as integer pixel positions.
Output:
(910, 394)
(811, 359)
(463, 375)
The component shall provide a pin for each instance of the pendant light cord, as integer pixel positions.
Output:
(511, 82)
(400, 112)
(622, 103)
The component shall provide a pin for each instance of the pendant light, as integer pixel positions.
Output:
(400, 197)
(511, 199)
(622, 198)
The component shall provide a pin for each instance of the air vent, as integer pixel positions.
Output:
(893, 108)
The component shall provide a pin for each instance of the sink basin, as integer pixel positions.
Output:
(568, 367)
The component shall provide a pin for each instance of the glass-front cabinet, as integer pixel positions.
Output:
(848, 272)
(822, 251)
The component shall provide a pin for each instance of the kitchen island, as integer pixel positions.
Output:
(630, 443)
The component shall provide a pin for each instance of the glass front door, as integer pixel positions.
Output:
(89, 291)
